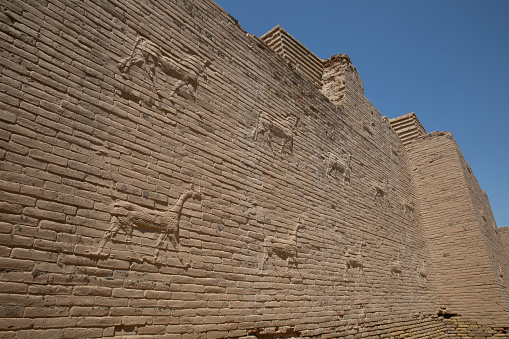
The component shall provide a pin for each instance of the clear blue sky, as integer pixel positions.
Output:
(445, 60)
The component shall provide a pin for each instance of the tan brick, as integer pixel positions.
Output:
(16, 324)
(96, 322)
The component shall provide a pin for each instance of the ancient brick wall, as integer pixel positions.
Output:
(490, 234)
(504, 238)
(466, 252)
(166, 174)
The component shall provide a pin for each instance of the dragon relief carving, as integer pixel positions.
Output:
(127, 217)
(281, 128)
(148, 53)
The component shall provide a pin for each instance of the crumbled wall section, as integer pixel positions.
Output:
(466, 253)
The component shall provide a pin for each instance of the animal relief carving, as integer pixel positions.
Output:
(196, 66)
(336, 164)
(395, 267)
(381, 191)
(423, 273)
(148, 53)
(127, 217)
(354, 260)
(284, 248)
(409, 211)
(281, 128)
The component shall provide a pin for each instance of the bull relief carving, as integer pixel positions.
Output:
(409, 211)
(339, 165)
(355, 260)
(369, 126)
(395, 267)
(381, 189)
(149, 54)
(284, 248)
(285, 129)
(127, 217)
(423, 273)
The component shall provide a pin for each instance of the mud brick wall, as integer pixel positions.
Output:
(458, 327)
(467, 254)
(504, 237)
(164, 173)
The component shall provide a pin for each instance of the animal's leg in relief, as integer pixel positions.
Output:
(191, 87)
(264, 260)
(115, 227)
(266, 257)
(329, 170)
(293, 260)
(160, 241)
(129, 241)
(287, 141)
(257, 130)
(176, 246)
(179, 84)
(151, 61)
(283, 144)
(125, 64)
(254, 135)
(268, 134)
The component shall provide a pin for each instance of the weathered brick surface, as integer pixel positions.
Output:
(290, 211)
(504, 237)
(467, 254)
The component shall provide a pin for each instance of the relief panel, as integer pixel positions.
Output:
(127, 216)
(284, 248)
(381, 190)
(337, 165)
(354, 260)
(284, 129)
(149, 54)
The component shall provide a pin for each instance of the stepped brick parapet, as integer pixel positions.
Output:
(295, 53)
(408, 127)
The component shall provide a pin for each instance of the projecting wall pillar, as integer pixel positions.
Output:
(466, 252)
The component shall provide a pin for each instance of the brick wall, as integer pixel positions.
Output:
(166, 174)
(504, 237)
(466, 252)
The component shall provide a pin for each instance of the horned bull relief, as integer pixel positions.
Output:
(149, 54)
(339, 165)
(285, 129)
